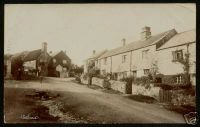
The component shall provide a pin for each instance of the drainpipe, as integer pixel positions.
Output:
(130, 61)
(111, 67)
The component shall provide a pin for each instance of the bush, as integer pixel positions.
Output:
(144, 80)
(106, 84)
(78, 79)
(85, 76)
(100, 76)
(171, 79)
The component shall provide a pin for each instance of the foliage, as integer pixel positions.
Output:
(106, 84)
(144, 80)
(78, 79)
(186, 68)
(77, 70)
(153, 71)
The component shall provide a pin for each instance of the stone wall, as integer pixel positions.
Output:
(151, 91)
(84, 81)
(115, 85)
(118, 86)
(183, 97)
(97, 81)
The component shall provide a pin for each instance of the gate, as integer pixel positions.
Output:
(165, 96)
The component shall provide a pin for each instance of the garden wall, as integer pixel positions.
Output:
(183, 97)
(151, 91)
(97, 81)
(118, 85)
(115, 85)
(84, 81)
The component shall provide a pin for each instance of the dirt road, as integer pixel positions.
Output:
(93, 106)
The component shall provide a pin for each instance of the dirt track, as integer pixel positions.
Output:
(93, 106)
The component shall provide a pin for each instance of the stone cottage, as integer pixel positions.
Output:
(36, 62)
(93, 59)
(59, 65)
(134, 58)
(174, 50)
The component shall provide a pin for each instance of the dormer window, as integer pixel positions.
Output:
(64, 61)
(54, 60)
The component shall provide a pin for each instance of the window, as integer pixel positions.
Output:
(177, 55)
(146, 71)
(54, 60)
(179, 79)
(64, 61)
(103, 72)
(123, 58)
(105, 61)
(124, 74)
(134, 73)
(145, 54)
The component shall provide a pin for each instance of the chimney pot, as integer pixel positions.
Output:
(123, 42)
(44, 47)
(94, 52)
(146, 33)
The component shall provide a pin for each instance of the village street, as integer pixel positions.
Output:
(69, 102)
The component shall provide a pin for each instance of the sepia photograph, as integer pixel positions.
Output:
(100, 63)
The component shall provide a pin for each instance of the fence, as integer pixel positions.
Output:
(165, 96)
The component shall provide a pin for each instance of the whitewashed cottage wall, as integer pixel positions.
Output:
(139, 64)
(168, 67)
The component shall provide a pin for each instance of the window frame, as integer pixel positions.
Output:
(175, 56)
(124, 58)
(134, 73)
(64, 61)
(146, 71)
(145, 54)
(105, 60)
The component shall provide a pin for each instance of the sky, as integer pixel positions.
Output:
(80, 29)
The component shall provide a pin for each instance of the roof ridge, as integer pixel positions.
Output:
(157, 37)
(187, 31)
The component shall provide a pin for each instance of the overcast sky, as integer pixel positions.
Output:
(79, 29)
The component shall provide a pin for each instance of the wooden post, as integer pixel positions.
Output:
(8, 73)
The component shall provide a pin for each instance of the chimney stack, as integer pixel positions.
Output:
(44, 47)
(146, 33)
(94, 52)
(123, 42)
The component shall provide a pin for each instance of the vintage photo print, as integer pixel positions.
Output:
(100, 63)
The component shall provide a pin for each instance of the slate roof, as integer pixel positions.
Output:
(137, 44)
(180, 39)
(33, 55)
(54, 53)
(58, 52)
(97, 55)
(19, 55)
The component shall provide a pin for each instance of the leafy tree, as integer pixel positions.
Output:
(186, 67)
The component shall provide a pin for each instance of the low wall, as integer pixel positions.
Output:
(97, 81)
(184, 97)
(118, 86)
(151, 91)
(84, 81)
(115, 85)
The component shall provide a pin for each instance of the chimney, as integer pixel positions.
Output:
(94, 52)
(44, 47)
(146, 33)
(123, 42)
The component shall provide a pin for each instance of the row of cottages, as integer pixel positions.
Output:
(92, 59)
(137, 58)
(32, 62)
